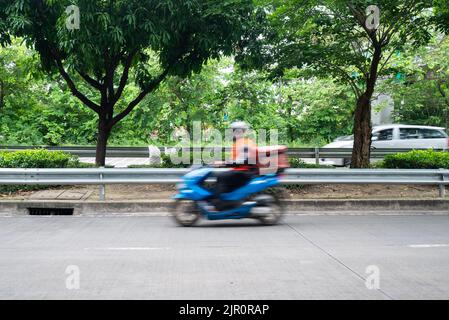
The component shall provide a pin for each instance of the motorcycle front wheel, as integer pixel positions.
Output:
(186, 213)
(275, 210)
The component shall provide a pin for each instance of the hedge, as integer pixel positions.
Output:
(417, 159)
(301, 164)
(38, 158)
(165, 163)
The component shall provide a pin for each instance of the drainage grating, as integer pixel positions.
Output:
(50, 211)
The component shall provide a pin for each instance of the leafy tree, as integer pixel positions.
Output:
(121, 41)
(39, 111)
(4, 37)
(441, 9)
(193, 99)
(18, 94)
(316, 110)
(335, 38)
(421, 93)
(250, 97)
(35, 110)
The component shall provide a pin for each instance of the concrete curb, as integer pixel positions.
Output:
(311, 206)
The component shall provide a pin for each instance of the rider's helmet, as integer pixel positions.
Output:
(239, 129)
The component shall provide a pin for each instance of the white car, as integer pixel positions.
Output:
(395, 136)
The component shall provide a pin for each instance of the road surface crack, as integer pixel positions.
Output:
(341, 263)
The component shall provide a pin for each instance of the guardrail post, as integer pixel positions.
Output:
(442, 187)
(102, 188)
(317, 156)
(442, 191)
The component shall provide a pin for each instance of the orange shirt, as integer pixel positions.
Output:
(244, 153)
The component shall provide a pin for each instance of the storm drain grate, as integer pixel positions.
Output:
(50, 211)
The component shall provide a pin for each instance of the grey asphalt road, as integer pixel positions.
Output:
(306, 257)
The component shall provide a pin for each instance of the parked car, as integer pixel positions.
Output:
(395, 136)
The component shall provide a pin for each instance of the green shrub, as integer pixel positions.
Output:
(167, 163)
(377, 165)
(296, 163)
(38, 158)
(76, 164)
(416, 159)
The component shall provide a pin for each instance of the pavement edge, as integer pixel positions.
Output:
(297, 206)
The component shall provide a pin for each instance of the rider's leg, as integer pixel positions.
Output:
(228, 182)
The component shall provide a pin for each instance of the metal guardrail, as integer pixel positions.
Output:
(143, 152)
(104, 177)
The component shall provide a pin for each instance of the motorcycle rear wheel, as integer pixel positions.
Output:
(186, 213)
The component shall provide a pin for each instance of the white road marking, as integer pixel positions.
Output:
(429, 245)
(127, 249)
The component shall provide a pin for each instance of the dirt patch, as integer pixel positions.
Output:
(344, 191)
(150, 192)
(136, 192)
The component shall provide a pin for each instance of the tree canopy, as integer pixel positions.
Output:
(334, 39)
(308, 68)
(119, 41)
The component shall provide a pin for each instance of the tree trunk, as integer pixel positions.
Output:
(362, 133)
(2, 94)
(362, 118)
(102, 141)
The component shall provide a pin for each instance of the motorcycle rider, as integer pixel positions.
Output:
(243, 161)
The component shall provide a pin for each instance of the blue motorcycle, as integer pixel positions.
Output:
(255, 200)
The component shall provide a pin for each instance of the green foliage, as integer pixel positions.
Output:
(330, 38)
(4, 37)
(122, 42)
(417, 159)
(181, 101)
(174, 29)
(166, 162)
(250, 97)
(296, 163)
(317, 110)
(441, 10)
(38, 158)
(309, 54)
(423, 98)
(306, 113)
